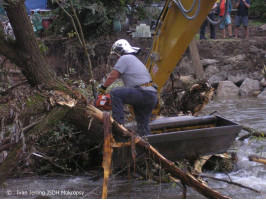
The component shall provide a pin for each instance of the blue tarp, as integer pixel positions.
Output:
(35, 4)
(30, 5)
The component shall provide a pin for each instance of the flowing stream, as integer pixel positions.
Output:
(245, 111)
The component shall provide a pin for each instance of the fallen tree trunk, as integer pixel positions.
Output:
(185, 177)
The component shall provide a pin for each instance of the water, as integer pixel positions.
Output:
(245, 111)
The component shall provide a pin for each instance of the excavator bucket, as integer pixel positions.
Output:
(180, 20)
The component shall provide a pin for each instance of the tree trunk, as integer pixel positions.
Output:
(24, 51)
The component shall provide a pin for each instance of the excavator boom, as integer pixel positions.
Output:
(175, 30)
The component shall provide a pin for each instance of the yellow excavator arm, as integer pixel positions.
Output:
(175, 30)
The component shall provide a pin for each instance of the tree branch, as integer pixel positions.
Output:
(231, 182)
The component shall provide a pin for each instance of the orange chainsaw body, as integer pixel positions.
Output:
(104, 102)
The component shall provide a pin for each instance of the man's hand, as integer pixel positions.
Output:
(101, 89)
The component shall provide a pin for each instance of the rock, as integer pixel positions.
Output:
(206, 62)
(242, 65)
(237, 58)
(211, 70)
(263, 27)
(226, 68)
(226, 89)
(238, 79)
(253, 49)
(185, 67)
(249, 86)
(255, 75)
(262, 95)
(215, 79)
(263, 83)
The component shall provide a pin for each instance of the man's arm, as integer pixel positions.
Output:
(111, 78)
(237, 4)
(246, 3)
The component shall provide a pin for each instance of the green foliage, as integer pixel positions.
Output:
(71, 34)
(96, 16)
(65, 149)
(147, 13)
(258, 9)
(43, 47)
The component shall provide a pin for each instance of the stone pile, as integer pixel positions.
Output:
(234, 76)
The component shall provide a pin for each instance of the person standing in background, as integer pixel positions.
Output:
(227, 20)
(242, 16)
(205, 23)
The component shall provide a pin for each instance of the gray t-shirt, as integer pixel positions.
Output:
(133, 72)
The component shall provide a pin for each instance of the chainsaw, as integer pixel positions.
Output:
(103, 101)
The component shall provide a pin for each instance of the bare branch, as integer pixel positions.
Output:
(230, 182)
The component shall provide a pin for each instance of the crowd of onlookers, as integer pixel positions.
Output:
(219, 9)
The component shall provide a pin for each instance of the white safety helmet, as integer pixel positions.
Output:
(122, 46)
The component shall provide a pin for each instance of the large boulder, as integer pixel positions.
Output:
(238, 79)
(226, 89)
(249, 86)
(255, 75)
(216, 78)
(211, 70)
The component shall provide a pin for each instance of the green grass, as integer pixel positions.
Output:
(254, 23)
(197, 36)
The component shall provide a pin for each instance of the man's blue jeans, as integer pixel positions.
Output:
(143, 103)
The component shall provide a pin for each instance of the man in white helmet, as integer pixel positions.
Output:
(138, 91)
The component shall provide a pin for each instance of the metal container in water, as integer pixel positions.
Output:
(196, 136)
